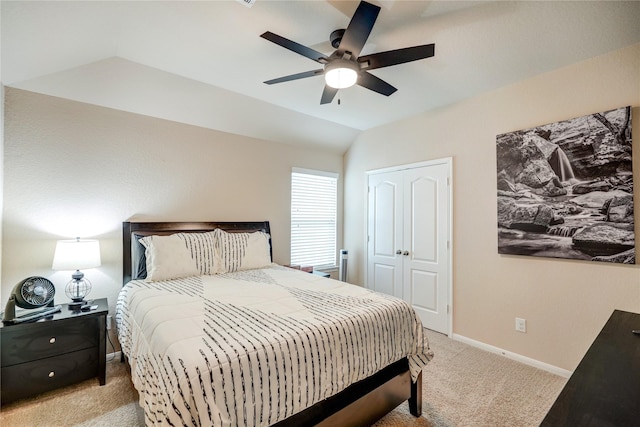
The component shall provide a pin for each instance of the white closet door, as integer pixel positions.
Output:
(425, 239)
(385, 233)
(408, 231)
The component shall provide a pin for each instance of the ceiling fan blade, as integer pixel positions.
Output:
(397, 56)
(357, 33)
(328, 94)
(375, 84)
(295, 76)
(296, 47)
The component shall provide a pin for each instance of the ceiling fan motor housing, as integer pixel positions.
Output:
(336, 37)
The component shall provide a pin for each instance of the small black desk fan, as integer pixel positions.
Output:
(32, 292)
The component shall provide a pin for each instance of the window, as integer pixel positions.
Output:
(313, 217)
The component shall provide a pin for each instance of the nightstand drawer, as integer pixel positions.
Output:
(47, 374)
(19, 346)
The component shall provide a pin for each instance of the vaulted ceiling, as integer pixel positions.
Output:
(204, 63)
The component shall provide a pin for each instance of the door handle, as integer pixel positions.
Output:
(405, 253)
(398, 252)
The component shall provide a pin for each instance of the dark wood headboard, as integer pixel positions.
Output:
(139, 229)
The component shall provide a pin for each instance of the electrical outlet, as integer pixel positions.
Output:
(109, 320)
(521, 325)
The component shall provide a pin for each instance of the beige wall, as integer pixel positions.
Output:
(565, 302)
(73, 169)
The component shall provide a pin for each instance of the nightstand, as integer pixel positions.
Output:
(56, 351)
(321, 273)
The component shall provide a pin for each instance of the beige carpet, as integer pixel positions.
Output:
(462, 386)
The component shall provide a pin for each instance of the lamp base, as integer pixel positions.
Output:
(76, 305)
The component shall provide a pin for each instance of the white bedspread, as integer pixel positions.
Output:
(254, 347)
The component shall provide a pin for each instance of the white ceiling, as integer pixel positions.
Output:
(203, 62)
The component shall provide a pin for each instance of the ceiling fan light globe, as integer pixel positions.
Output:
(341, 78)
(341, 74)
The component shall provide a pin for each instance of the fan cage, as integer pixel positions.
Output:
(37, 292)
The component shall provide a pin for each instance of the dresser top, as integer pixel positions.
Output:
(604, 390)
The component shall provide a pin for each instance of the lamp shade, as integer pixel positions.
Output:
(341, 73)
(76, 254)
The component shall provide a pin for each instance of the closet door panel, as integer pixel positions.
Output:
(425, 270)
(422, 219)
(424, 290)
(385, 233)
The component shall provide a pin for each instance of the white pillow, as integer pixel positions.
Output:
(243, 251)
(168, 258)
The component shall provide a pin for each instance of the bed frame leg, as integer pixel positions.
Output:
(415, 401)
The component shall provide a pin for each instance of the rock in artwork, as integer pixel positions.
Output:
(565, 190)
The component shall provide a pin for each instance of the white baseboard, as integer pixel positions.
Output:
(514, 356)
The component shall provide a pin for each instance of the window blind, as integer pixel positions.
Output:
(313, 218)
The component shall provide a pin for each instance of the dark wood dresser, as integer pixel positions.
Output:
(56, 351)
(604, 390)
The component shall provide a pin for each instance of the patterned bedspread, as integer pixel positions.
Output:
(252, 348)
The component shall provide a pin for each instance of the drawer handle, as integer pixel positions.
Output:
(52, 340)
(52, 374)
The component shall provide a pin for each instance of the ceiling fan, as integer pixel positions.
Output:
(344, 67)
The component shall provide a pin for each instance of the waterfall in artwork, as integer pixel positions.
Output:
(561, 165)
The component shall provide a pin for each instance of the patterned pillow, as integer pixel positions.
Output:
(242, 251)
(167, 258)
(203, 250)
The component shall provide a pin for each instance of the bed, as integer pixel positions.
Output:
(258, 346)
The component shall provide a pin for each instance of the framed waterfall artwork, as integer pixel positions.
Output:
(565, 189)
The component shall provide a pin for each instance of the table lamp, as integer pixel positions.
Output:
(75, 255)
